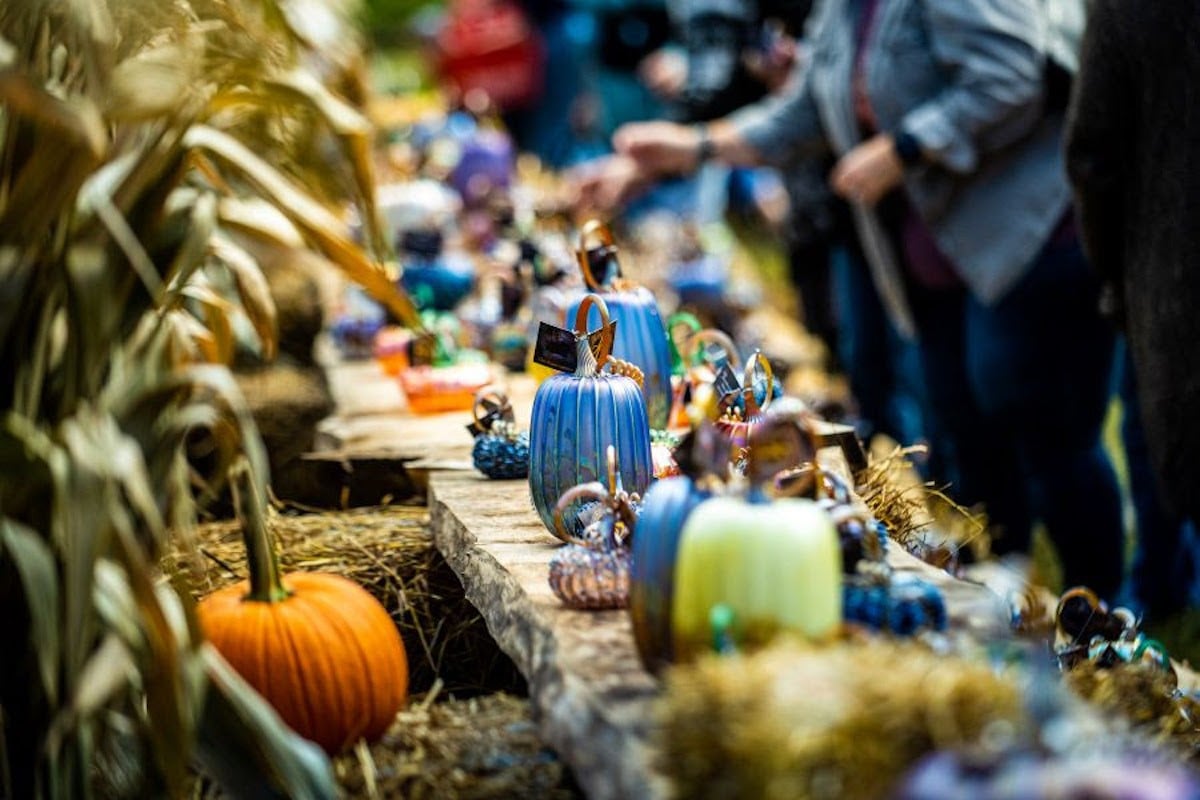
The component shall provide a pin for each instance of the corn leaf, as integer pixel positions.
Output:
(192, 253)
(225, 390)
(35, 565)
(43, 186)
(253, 289)
(354, 132)
(115, 604)
(96, 444)
(16, 272)
(162, 675)
(155, 82)
(216, 314)
(110, 669)
(327, 233)
(259, 219)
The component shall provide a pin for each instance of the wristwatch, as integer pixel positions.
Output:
(704, 145)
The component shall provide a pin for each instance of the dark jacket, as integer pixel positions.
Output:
(1133, 150)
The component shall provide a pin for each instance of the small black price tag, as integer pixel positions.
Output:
(555, 347)
(726, 382)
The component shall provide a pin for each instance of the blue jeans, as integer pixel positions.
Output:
(881, 366)
(1020, 388)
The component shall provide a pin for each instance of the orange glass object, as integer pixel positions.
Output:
(435, 389)
(391, 349)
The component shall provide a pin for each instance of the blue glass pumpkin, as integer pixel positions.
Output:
(641, 336)
(436, 280)
(655, 545)
(577, 417)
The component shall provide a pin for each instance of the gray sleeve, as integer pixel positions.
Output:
(993, 50)
(784, 127)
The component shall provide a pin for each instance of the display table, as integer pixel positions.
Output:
(593, 699)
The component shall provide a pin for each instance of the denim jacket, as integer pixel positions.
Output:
(964, 78)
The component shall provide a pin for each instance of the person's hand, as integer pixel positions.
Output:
(773, 65)
(605, 184)
(868, 172)
(659, 148)
(664, 72)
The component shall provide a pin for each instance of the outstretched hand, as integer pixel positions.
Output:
(606, 184)
(659, 148)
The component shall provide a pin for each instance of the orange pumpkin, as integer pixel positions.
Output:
(317, 647)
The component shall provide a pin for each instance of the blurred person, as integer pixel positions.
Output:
(702, 75)
(546, 127)
(627, 31)
(949, 154)
(1132, 140)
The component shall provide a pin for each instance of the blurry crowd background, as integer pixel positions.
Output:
(988, 224)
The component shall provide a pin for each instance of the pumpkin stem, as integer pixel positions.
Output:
(586, 365)
(266, 586)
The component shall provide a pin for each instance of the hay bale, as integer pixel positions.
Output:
(287, 402)
(485, 747)
(298, 305)
(799, 721)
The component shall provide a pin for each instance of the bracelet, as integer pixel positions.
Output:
(704, 145)
(908, 149)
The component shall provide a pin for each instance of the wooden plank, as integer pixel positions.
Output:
(373, 420)
(592, 698)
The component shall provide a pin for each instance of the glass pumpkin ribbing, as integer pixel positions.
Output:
(574, 421)
(652, 584)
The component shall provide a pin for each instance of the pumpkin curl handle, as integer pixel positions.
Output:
(801, 481)
(592, 228)
(593, 490)
(752, 405)
(580, 329)
(492, 393)
(618, 498)
(720, 338)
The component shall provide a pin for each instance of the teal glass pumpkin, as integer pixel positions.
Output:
(655, 545)
(577, 417)
(436, 279)
(641, 337)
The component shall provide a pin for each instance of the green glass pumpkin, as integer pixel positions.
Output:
(577, 417)
(763, 566)
(641, 337)
(776, 565)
